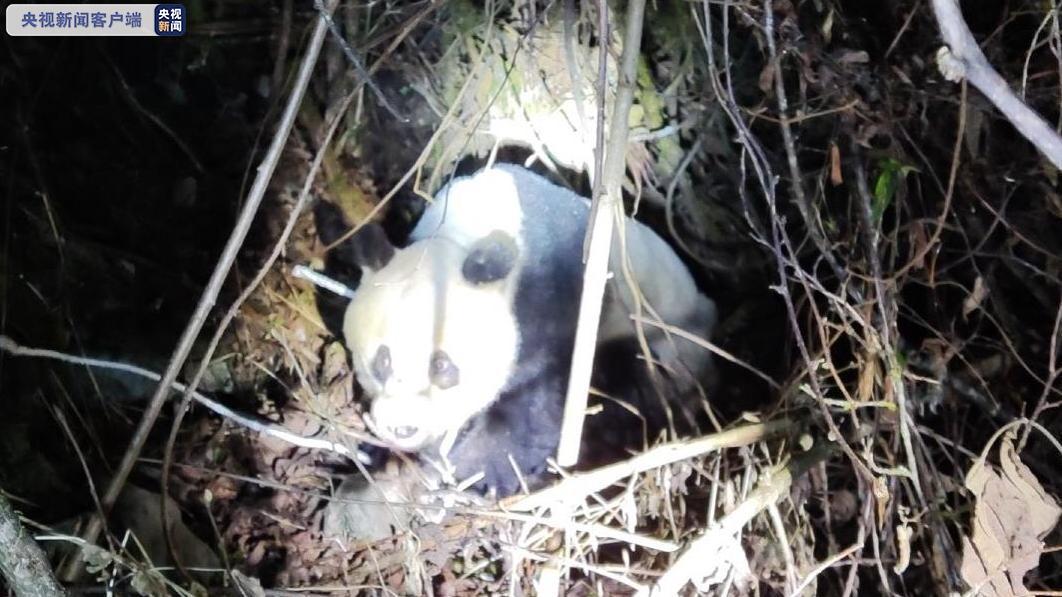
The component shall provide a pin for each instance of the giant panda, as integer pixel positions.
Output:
(462, 338)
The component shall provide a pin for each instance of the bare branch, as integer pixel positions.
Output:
(607, 207)
(966, 59)
(576, 487)
(22, 562)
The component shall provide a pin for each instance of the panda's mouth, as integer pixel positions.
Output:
(404, 432)
(402, 437)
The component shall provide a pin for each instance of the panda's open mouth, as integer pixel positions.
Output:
(404, 432)
(402, 437)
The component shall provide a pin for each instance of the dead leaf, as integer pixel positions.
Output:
(881, 498)
(766, 81)
(976, 297)
(903, 548)
(248, 586)
(868, 377)
(919, 239)
(836, 179)
(1012, 516)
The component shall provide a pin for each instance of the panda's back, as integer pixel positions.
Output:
(547, 221)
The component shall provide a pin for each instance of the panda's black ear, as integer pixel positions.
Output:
(371, 247)
(491, 258)
(368, 247)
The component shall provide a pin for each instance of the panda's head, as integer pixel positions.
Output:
(433, 336)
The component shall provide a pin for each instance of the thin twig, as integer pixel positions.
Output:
(827, 563)
(796, 182)
(887, 314)
(352, 56)
(778, 243)
(283, 44)
(711, 347)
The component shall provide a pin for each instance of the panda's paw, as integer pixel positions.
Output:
(364, 511)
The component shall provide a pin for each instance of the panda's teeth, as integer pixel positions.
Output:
(404, 432)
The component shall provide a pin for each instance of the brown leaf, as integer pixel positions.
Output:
(836, 179)
(881, 498)
(766, 81)
(1012, 516)
(868, 377)
(919, 239)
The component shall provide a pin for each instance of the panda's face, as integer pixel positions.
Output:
(430, 346)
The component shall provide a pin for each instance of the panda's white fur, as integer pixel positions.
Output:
(418, 304)
(507, 341)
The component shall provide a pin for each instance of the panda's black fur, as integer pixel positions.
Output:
(523, 422)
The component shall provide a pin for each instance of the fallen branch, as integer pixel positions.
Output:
(576, 487)
(964, 58)
(22, 562)
(607, 206)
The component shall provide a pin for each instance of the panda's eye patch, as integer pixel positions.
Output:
(381, 364)
(442, 371)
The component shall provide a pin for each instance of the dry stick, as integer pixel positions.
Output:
(606, 209)
(966, 59)
(210, 294)
(352, 56)
(282, 45)
(576, 487)
(574, 407)
(692, 562)
(425, 152)
(22, 562)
